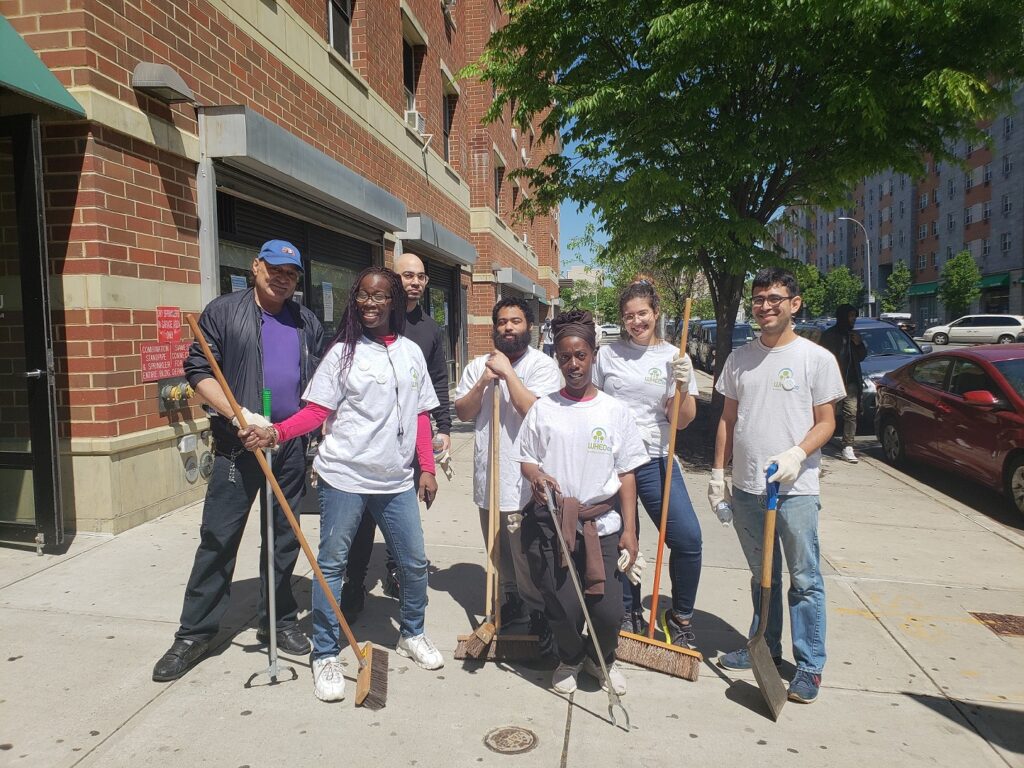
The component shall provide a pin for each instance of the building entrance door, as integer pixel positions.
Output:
(30, 508)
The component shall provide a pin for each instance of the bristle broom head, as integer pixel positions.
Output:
(372, 682)
(502, 648)
(658, 656)
(477, 643)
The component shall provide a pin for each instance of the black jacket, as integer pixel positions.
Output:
(232, 325)
(424, 330)
(849, 355)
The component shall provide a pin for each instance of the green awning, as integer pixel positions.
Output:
(923, 289)
(1002, 280)
(23, 72)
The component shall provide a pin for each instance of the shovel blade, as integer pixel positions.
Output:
(767, 675)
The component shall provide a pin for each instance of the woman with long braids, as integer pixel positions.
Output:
(373, 391)
(642, 372)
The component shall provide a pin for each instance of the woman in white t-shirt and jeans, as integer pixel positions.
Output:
(641, 372)
(585, 445)
(374, 392)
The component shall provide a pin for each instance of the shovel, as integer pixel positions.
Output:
(761, 661)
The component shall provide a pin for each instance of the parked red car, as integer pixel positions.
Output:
(961, 410)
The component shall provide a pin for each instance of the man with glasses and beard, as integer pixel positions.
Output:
(523, 375)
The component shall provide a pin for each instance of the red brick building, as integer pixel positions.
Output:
(169, 142)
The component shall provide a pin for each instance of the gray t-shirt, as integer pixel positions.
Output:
(776, 389)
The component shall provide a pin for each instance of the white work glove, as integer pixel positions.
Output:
(251, 419)
(718, 491)
(682, 371)
(636, 572)
(512, 521)
(789, 462)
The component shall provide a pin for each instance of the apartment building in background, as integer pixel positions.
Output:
(148, 149)
(975, 205)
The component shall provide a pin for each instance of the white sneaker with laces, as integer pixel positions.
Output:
(563, 679)
(421, 650)
(849, 455)
(593, 669)
(328, 679)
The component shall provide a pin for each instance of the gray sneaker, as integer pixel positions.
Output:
(740, 659)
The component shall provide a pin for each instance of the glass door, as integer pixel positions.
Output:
(30, 508)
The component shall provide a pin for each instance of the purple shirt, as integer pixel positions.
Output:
(281, 363)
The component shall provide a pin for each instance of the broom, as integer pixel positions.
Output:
(646, 651)
(372, 680)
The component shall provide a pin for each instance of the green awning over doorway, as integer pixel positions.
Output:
(23, 72)
(923, 289)
(1002, 280)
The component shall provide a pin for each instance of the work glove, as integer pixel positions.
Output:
(512, 521)
(718, 491)
(634, 573)
(251, 419)
(789, 462)
(682, 371)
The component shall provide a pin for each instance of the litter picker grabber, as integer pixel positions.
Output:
(646, 651)
(556, 523)
(372, 679)
(765, 672)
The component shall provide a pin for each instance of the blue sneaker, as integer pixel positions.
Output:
(804, 687)
(740, 659)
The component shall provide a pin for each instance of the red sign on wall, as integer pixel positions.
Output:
(168, 324)
(163, 361)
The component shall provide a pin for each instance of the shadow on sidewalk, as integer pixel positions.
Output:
(1001, 726)
(464, 582)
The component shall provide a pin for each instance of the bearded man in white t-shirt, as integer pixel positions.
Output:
(523, 375)
(779, 393)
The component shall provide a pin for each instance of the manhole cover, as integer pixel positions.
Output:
(1002, 623)
(510, 740)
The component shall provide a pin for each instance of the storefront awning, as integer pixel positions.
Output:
(515, 279)
(923, 289)
(425, 237)
(1002, 280)
(22, 72)
(240, 137)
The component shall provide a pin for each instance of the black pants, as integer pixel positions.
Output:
(234, 486)
(561, 604)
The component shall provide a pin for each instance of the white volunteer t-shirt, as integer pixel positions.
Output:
(640, 377)
(362, 452)
(777, 389)
(541, 376)
(585, 445)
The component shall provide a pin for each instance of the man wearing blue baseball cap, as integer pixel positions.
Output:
(262, 339)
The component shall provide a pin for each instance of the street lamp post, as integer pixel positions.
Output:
(867, 242)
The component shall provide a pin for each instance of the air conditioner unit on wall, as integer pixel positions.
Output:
(416, 120)
(449, 5)
(522, 155)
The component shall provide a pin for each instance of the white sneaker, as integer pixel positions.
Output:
(849, 455)
(593, 669)
(421, 650)
(563, 679)
(328, 679)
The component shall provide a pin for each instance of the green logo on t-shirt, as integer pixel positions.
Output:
(415, 378)
(599, 441)
(785, 381)
(655, 376)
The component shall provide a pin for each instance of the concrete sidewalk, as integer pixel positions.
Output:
(912, 677)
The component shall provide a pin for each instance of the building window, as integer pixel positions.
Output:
(1007, 165)
(1007, 204)
(922, 232)
(901, 209)
(1007, 125)
(949, 254)
(935, 196)
(935, 228)
(950, 189)
(499, 176)
(409, 74)
(903, 237)
(903, 182)
(1004, 242)
(922, 201)
(968, 219)
(986, 210)
(988, 172)
(950, 222)
(448, 103)
(971, 146)
(968, 181)
(341, 28)
(986, 247)
(922, 261)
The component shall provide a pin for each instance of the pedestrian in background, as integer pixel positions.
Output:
(849, 350)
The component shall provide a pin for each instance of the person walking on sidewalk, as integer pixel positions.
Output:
(522, 374)
(642, 372)
(849, 350)
(373, 392)
(585, 445)
(779, 395)
(261, 338)
(429, 337)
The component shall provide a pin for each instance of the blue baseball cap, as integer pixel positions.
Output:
(281, 252)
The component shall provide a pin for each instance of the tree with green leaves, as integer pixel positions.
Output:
(897, 287)
(691, 123)
(958, 284)
(812, 287)
(841, 287)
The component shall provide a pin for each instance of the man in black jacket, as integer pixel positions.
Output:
(429, 337)
(849, 350)
(261, 338)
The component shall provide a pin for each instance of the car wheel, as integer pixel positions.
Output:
(940, 339)
(1006, 339)
(1015, 483)
(893, 446)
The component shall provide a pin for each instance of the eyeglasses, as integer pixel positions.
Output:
(377, 298)
(772, 301)
(415, 277)
(642, 315)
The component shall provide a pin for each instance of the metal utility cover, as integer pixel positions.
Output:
(1003, 624)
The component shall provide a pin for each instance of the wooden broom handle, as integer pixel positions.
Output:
(493, 492)
(663, 528)
(278, 493)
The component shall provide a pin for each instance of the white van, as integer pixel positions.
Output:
(978, 329)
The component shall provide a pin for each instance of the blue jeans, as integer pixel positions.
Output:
(398, 517)
(682, 536)
(796, 533)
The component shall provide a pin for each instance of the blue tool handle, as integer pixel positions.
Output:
(773, 488)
